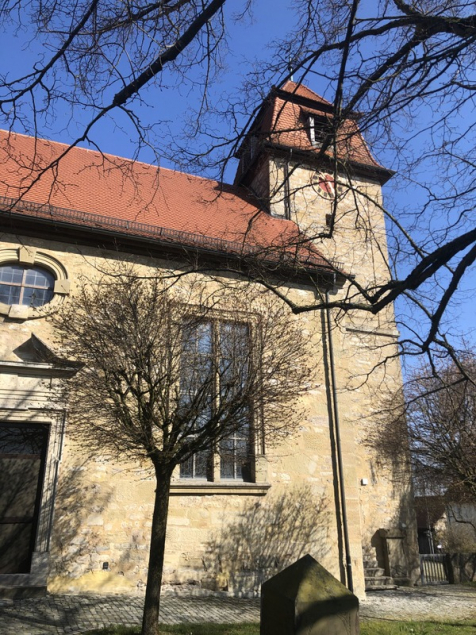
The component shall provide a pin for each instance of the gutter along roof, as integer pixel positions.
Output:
(106, 194)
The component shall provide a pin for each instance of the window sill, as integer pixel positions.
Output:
(207, 489)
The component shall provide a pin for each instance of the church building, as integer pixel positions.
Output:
(306, 210)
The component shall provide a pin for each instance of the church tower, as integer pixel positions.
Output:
(304, 168)
(294, 132)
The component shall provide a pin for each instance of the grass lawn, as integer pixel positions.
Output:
(370, 627)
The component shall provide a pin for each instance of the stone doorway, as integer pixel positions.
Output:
(22, 466)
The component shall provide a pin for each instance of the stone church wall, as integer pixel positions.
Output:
(223, 539)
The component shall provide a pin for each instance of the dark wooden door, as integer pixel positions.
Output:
(22, 465)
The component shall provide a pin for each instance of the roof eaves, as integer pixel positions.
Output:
(381, 174)
(158, 236)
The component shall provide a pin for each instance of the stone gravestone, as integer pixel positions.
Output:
(305, 599)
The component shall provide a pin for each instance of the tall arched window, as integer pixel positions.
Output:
(25, 285)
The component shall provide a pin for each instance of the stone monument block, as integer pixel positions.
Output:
(305, 599)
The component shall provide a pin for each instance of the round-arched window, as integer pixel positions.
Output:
(25, 285)
(33, 284)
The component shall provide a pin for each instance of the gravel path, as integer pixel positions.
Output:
(64, 614)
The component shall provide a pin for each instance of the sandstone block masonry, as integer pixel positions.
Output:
(91, 515)
(231, 536)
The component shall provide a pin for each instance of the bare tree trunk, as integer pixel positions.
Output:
(150, 620)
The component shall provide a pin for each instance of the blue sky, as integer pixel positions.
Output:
(171, 105)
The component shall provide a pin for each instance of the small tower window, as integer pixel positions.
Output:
(28, 286)
(319, 129)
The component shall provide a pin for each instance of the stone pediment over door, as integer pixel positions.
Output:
(32, 421)
(28, 381)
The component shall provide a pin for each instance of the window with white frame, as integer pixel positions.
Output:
(32, 283)
(215, 367)
(319, 130)
(25, 285)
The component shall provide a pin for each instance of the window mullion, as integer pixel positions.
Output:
(227, 353)
(257, 406)
(22, 287)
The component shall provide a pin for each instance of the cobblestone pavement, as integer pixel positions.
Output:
(443, 602)
(63, 614)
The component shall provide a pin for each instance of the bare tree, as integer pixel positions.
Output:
(439, 419)
(97, 57)
(171, 374)
(404, 72)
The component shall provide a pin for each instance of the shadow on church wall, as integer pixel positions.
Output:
(94, 546)
(268, 535)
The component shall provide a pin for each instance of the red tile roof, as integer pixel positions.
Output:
(285, 122)
(104, 191)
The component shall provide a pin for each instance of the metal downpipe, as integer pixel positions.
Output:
(340, 465)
